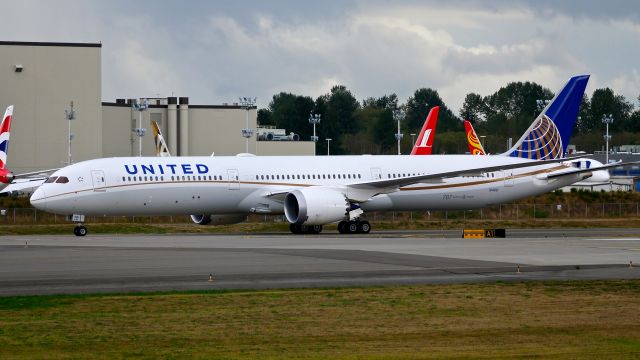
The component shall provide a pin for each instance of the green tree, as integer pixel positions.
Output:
(473, 108)
(291, 112)
(605, 101)
(418, 107)
(338, 122)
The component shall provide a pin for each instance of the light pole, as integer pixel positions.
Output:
(141, 106)
(247, 103)
(314, 119)
(70, 115)
(328, 144)
(413, 139)
(607, 120)
(397, 115)
(482, 140)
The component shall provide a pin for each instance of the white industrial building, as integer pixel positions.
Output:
(41, 79)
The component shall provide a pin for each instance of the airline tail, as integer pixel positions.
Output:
(161, 145)
(424, 144)
(475, 147)
(549, 135)
(5, 128)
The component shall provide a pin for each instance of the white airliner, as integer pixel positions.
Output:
(10, 182)
(313, 191)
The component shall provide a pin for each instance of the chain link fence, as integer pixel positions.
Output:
(26, 216)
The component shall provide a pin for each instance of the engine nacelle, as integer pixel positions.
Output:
(6, 177)
(218, 219)
(314, 206)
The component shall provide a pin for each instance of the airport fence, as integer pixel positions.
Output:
(26, 216)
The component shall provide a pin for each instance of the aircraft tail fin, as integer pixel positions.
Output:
(549, 135)
(5, 131)
(424, 143)
(475, 147)
(161, 146)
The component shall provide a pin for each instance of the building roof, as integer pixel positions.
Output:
(40, 43)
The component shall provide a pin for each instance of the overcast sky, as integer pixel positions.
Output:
(215, 51)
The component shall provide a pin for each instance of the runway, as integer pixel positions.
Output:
(131, 263)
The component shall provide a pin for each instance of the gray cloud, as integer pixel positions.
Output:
(217, 51)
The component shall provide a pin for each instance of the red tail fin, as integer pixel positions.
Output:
(424, 144)
(475, 148)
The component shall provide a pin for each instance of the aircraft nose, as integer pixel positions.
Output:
(38, 199)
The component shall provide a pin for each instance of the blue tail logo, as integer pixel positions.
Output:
(549, 135)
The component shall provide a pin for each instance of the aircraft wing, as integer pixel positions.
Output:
(44, 173)
(362, 191)
(410, 180)
(575, 171)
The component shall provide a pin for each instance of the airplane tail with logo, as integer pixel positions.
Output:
(161, 146)
(424, 144)
(5, 131)
(548, 136)
(475, 147)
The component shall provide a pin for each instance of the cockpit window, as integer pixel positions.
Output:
(50, 179)
(62, 180)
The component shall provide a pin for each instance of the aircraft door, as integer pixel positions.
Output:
(508, 178)
(98, 179)
(376, 174)
(234, 179)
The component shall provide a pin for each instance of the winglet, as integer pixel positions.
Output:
(161, 146)
(475, 147)
(5, 132)
(424, 144)
(548, 136)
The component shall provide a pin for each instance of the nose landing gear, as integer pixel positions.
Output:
(80, 230)
(305, 229)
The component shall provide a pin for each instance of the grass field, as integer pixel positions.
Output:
(590, 319)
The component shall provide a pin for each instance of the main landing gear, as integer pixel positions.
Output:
(354, 227)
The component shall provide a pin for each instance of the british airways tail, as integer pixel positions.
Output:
(549, 135)
(5, 131)
(475, 147)
(161, 145)
(424, 144)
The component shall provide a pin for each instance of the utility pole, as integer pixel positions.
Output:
(314, 119)
(70, 115)
(141, 106)
(247, 103)
(607, 120)
(397, 115)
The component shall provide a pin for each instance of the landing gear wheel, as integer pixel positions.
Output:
(364, 227)
(80, 230)
(342, 227)
(352, 227)
(314, 229)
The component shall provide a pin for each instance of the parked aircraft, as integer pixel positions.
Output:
(475, 147)
(10, 182)
(424, 143)
(161, 145)
(313, 191)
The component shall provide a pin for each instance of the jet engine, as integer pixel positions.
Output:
(6, 177)
(314, 206)
(218, 219)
